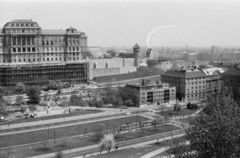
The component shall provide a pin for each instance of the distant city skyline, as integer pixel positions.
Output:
(123, 23)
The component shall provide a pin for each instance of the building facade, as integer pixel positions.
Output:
(25, 41)
(194, 84)
(150, 93)
(231, 79)
(28, 50)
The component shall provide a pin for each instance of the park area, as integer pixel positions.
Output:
(170, 113)
(76, 112)
(74, 142)
(138, 151)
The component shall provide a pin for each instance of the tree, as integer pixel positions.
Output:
(32, 107)
(19, 100)
(128, 102)
(215, 131)
(58, 154)
(45, 143)
(3, 109)
(20, 88)
(98, 131)
(76, 100)
(33, 94)
(56, 98)
(85, 131)
(52, 85)
(107, 143)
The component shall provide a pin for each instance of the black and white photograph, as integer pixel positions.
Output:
(119, 78)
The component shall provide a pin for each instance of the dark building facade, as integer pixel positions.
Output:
(32, 55)
(40, 74)
(231, 79)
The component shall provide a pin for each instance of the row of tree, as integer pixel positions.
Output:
(215, 131)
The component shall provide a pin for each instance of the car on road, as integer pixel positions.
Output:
(127, 113)
(1, 118)
(27, 115)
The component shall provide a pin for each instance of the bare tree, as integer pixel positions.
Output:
(58, 154)
(85, 131)
(107, 143)
(45, 143)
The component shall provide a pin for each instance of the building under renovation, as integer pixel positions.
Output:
(32, 55)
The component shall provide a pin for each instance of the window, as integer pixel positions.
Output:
(14, 49)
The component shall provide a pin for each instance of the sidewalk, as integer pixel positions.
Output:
(83, 149)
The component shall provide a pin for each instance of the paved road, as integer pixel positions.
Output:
(66, 124)
(93, 149)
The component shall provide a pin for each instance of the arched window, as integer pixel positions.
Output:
(24, 49)
(33, 49)
(95, 65)
(74, 49)
(77, 49)
(107, 64)
(70, 49)
(29, 49)
(19, 50)
(14, 49)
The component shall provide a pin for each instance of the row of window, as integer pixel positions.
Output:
(44, 59)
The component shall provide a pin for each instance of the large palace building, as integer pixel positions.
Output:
(32, 55)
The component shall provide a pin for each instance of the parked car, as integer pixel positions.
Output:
(1, 118)
(27, 115)
(127, 113)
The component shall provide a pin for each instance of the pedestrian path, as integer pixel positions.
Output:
(82, 149)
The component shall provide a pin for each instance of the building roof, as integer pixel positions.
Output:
(136, 46)
(232, 72)
(21, 24)
(213, 70)
(185, 73)
(59, 32)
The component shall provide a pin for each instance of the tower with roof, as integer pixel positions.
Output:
(136, 50)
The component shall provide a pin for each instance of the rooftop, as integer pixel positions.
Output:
(185, 73)
(234, 72)
(136, 46)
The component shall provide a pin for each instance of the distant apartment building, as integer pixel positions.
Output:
(231, 79)
(194, 84)
(150, 93)
(190, 56)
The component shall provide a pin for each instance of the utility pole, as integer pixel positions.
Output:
(48, 132)
(54, 136)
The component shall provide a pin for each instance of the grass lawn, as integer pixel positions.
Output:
(60, 145)
(59, 123)
(185, 120)
(72, 113)
(40, 135)
(135, 152)
(183, 112)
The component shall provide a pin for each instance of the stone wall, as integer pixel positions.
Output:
(104, 72)
(111, 63)
(106, 67)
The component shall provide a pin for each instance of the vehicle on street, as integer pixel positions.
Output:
(27, 115)
(127, 113)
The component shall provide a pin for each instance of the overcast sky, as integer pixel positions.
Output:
(152, 23)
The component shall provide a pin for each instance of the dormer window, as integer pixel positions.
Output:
(32, 25)
(72, 31)
(17, 25)
(22, 25)
(12, 25)
(26, 25)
